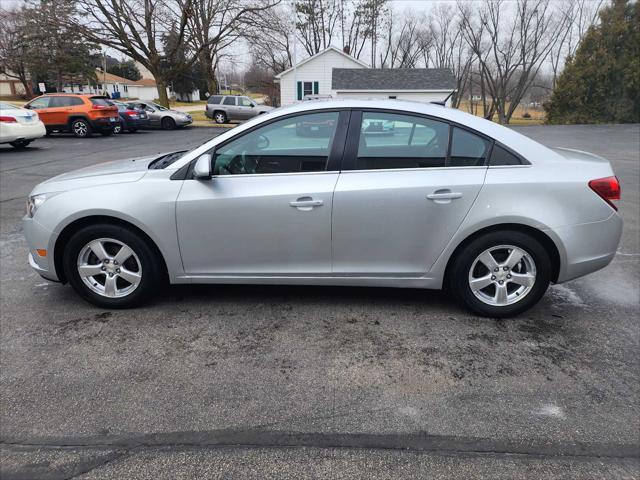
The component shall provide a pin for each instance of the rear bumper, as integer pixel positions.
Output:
(588, 246)
(11, 132)
(134, 123)
(104, 123)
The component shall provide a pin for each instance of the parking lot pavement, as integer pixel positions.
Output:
(310, 382)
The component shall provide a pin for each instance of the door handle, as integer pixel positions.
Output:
(444, 196)
(306, 203)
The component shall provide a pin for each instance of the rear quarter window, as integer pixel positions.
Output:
(215, 99)
(501, 156)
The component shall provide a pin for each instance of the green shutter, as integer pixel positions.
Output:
(316, 88)
(299, 90)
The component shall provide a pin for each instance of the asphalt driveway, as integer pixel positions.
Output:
(310, 382)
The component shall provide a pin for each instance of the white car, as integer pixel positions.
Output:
(19, 126)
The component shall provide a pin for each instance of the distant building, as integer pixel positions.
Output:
(336, 73)
(144, 89)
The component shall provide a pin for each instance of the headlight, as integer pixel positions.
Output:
(34, 202)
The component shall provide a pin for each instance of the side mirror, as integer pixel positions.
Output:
(28, 107)
(202, 168)
(253, 105)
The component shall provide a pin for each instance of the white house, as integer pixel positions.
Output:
(334, 72)
(144, 89)
(313, 75)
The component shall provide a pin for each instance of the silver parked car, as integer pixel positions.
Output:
(223, 108)
(434, 197)
(162, 117)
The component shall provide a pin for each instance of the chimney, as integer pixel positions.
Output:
(346, 49)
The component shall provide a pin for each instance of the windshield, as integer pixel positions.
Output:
(158, 107)
(165, 160)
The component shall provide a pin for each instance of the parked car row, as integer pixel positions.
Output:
(82, 115)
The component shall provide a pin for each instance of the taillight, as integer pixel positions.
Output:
(131, 113)
(98, 107)
(8, 119)
(607, 188)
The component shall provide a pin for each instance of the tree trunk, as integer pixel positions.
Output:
(161, 85)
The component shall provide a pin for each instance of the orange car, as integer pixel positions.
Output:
(79, 114)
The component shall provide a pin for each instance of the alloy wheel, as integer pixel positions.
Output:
(220, 118)
(80, 129)
(502, 275)
(117, 129)
(109, 268)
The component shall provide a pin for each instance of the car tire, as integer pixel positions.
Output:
(81, 128)
(220, 117)
(18, 144)
(168, 123)
(117, 129)
(120, 289)
(505, 294)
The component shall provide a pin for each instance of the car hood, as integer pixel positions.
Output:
(118, 171)
(265, 108)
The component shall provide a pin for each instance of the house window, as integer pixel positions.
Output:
(307, 88)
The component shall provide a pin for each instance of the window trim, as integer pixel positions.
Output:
(350, 157)
(334, 160)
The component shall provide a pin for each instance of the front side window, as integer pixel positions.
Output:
(296, 144)
(389, 140)
(229, 101)
(245, 102)
(42, 102)
(467, 149)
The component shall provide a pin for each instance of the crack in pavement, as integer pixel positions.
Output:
(417, 441)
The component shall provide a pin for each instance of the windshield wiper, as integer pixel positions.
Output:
(165, 160)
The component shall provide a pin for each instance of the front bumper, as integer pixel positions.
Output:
(39, 238)
(588, 246)
(10, 132)
(183, 122)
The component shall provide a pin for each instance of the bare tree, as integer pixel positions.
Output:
(449, 48)
(403, 44)
(136, 28)
(317, 23)
(216, 24)
(577, 17)
(14, 48)
(271, 41)
(509, 50)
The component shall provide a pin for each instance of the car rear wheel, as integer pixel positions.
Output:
(168, 123)
(117, 129)
(20, 143)
(111, 266)
(501, 274)
(81, 128)
(220, 117)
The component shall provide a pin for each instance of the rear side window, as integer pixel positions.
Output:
(102, 102)
(467, 149)
(501, 156)
(215, 99)
(230, 100)
(389, 140)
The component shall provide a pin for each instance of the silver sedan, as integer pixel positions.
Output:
(343, 192)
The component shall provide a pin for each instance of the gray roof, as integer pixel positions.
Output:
(392, 79)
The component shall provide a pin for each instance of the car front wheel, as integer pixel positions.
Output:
(111, 266)
(168, 123)
(501, 274)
